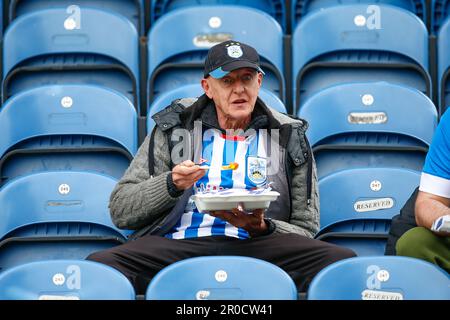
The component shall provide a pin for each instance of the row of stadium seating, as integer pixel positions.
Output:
(229, 278)
(64, 214)
(370, 141)
(74, 101)
(50, 46)
(143, 14)
(288, 13)
(69, 124)
(110, 121)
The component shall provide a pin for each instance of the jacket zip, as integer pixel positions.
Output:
(288, 178)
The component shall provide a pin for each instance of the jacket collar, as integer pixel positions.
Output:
(204, 109)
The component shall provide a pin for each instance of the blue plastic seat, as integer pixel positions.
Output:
(194, 91)
(1, 19)
(131, 9)
(56, 215)
(380, 278)
(70, 127)
(444, 66)
(49, 47)
(352, 49)
(357, 205)
(275, 8)
(440, 10)
(300, 8)
(64, 280)
(369, 125)
(222, 278)
(176, 63)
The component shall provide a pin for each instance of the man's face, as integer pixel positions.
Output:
(235, 94)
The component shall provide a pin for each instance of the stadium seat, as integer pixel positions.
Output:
(194, 91)
(68, 127)
(222, 278)
(56, 215)
(373, 124)
(300, 8)
(132, 9)
(64, 280)
(359, 215)
(444, 66)
(1, 19)
(380, 278)
(440, 10)
(49, 47)
(359, 47)
(275, 8)
(176, 63)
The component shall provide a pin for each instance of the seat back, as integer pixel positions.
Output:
(222, 278)
(275, 8)
(440, 10)
(359, 215)
(300, 8)
(380, 278)
(75, 125)
(56, 215)
(369, 124)
(1, 19)
(55, 241)
(370, 107)
(444, 66)
(176, 63)
(65, 50)
(53, 197)
(357, 47)
(131, 9)
(64, 280)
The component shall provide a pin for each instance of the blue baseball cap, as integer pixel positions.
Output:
(229, 56)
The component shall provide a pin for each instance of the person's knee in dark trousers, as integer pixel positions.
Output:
(110, 259)
(338, 253)
(335, 253)
(330, 255)
(104, 257)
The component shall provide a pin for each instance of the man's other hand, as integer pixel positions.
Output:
(252, 222)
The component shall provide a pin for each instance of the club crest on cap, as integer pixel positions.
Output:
(235, 50)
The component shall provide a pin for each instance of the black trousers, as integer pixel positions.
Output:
(301, 257)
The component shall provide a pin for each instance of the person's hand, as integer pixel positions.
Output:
(185, 174)
(252, 222)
